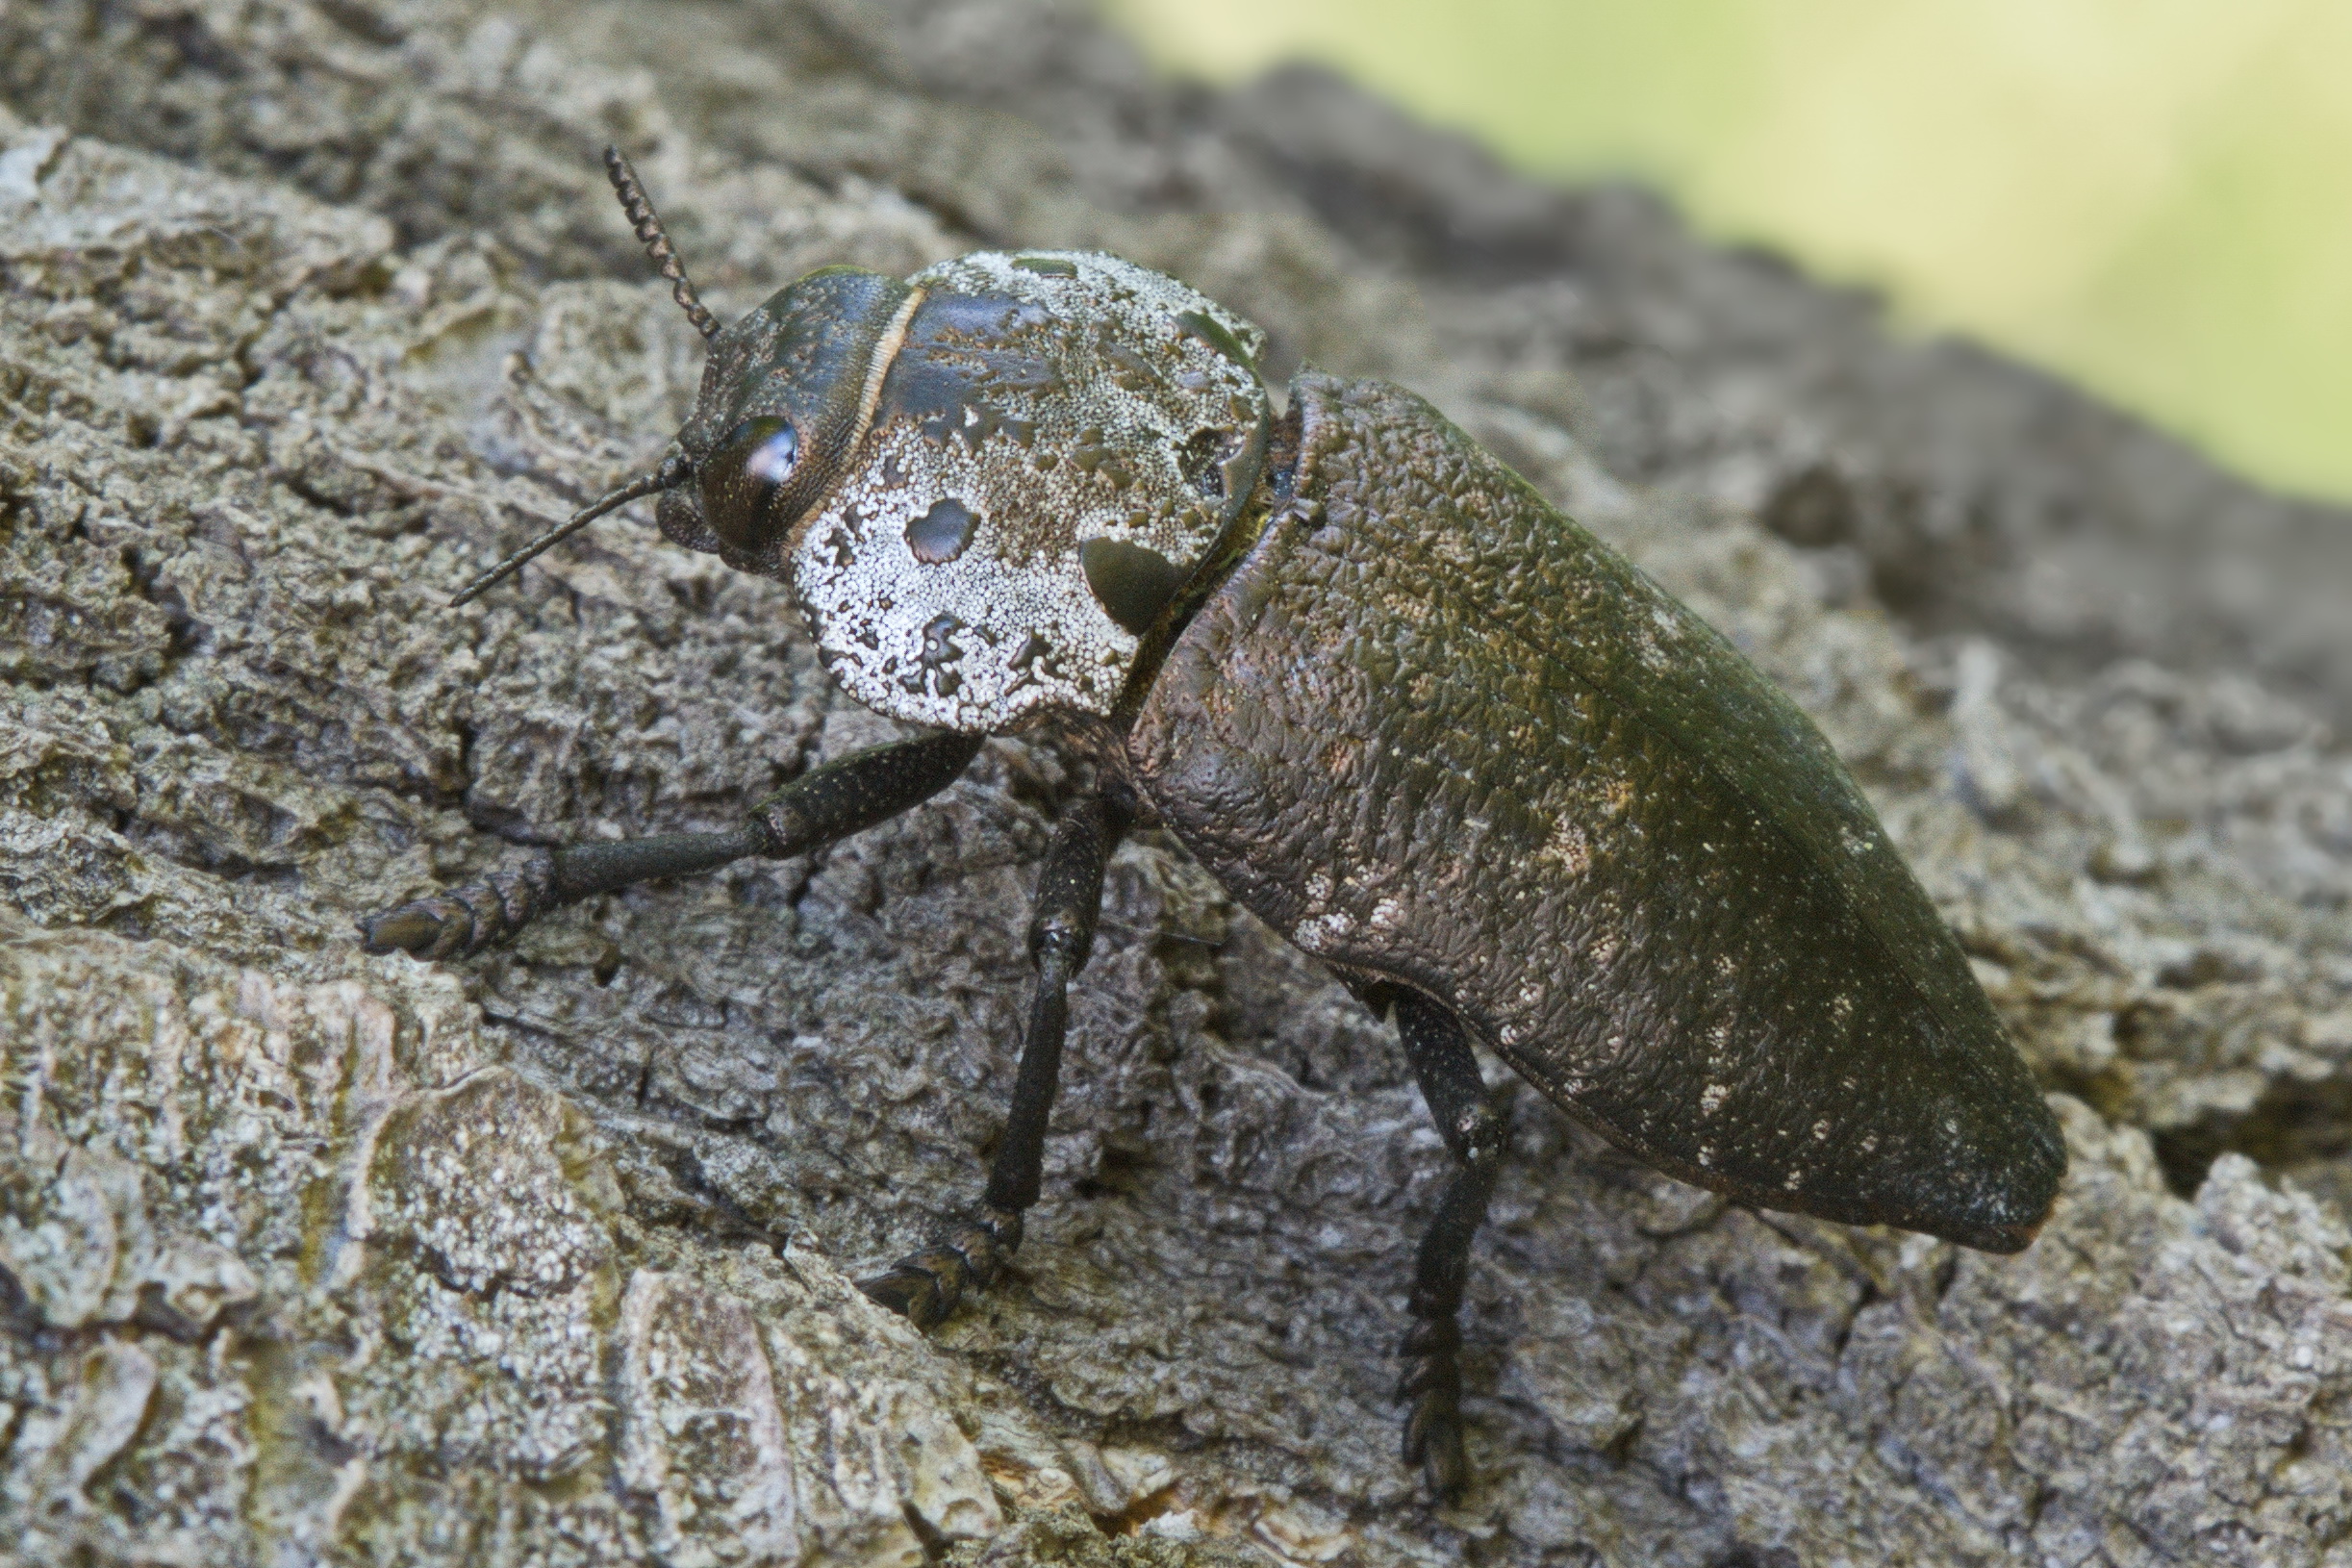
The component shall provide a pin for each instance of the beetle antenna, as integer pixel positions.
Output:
(673, 472)
(649, 226)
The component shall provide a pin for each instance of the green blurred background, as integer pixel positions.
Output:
(2153, 197)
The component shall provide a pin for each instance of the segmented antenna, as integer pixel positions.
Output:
(675, 470)
(648, 227)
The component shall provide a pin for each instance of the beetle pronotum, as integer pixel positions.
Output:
(1507, 788)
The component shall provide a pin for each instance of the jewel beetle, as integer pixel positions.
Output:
(1508, 789)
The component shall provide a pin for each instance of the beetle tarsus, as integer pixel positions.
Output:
(925, 1287)
(465, 920)
(1432, 1382)
(1475, 1129)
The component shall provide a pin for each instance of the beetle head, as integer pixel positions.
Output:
(785, 403)
(987, 484)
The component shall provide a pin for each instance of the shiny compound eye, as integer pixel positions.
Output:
(772, 451)
(742, 481)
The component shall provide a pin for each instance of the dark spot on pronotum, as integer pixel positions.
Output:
(939, 535)
(1132, 583)
(1046, 266)
(932, 664)
(1130, 369)
(1212, 332)
(936, 648)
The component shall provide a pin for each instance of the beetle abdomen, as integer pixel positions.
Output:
(1442, 737)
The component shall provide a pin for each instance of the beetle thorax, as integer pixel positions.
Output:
(1058, 440)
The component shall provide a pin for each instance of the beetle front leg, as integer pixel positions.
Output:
(926, 1285)
(1475, 1132)
(828, 804)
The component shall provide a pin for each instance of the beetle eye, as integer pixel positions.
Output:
(741, 480)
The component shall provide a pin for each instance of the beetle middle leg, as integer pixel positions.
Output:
(842, 797)
(925, 1285)
(1476, 1130)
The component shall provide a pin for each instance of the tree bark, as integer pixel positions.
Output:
(313, 310)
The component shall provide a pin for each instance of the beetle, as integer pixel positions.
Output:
(1508, 789)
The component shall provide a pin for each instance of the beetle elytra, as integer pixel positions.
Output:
(1512, 793)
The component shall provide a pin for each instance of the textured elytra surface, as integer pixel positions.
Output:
(1051, 399)
(1438, 735)
(371, 317)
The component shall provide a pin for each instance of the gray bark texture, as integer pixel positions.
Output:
(312, 308)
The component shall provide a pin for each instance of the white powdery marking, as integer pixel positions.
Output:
(1712, 1099)
(1318, 932)
(1569, 846)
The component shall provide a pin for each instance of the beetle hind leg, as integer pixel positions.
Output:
(926, 1285)
(1476, 1130)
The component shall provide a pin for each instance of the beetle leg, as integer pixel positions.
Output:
(1476, 1130)
(826, 804)
(925, 1285)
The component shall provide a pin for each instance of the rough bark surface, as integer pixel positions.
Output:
(312, 309)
